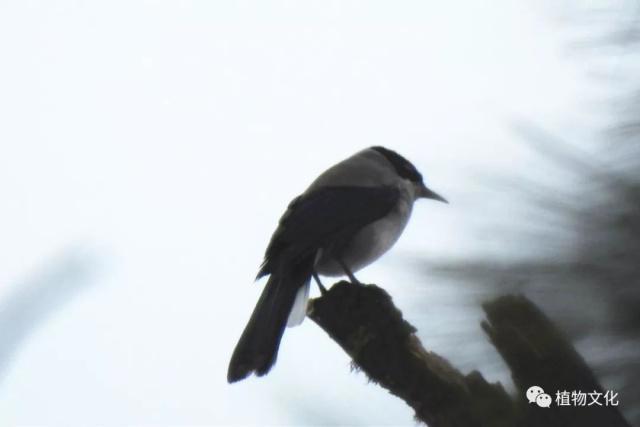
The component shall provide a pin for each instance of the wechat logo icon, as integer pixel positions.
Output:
(535, 394)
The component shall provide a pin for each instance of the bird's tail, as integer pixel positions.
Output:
(257, 348)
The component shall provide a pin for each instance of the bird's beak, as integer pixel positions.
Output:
(426, 193)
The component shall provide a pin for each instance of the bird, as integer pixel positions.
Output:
(348, 217)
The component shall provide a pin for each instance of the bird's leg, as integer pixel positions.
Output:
(348, 272)
(323, 290)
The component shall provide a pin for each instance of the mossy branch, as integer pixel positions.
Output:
(363, 320)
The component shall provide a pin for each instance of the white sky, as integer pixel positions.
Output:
(166, 138)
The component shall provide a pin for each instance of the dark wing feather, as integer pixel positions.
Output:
(325, 216)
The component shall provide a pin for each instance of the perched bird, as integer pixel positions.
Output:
(348, 217)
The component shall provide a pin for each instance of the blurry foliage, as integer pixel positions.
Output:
(591, 286)
(582, 262)
(39, 296)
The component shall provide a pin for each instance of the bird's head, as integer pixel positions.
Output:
(408, 172)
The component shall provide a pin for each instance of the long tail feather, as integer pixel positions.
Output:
(257, 348)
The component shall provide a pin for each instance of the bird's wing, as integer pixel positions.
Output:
(326, 216)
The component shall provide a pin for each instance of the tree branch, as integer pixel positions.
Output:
(363, 320)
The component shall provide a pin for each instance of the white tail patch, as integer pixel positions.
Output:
(299, 309)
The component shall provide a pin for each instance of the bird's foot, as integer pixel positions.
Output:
(323, 290)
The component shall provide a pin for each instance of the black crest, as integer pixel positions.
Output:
(403, 167)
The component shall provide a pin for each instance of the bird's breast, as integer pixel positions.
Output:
(371, 242)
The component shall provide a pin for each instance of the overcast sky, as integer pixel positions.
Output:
(154, 145)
